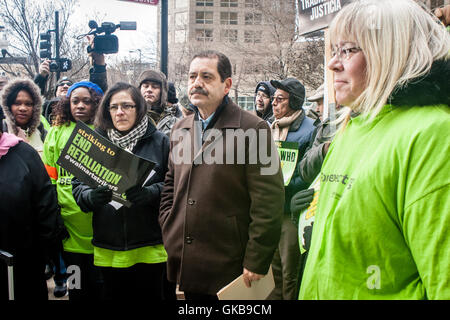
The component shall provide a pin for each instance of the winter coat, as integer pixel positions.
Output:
(219, 218)
(137, 226)
(35, 133)
(168, 119)
(29, 219)
(300, 131)
(310, 164)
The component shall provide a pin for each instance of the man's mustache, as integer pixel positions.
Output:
(199, 91)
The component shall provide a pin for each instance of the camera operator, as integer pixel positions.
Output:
(97, 75)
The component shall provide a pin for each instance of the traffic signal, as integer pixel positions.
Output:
(45, 46)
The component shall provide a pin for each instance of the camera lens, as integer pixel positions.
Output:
(54, 66)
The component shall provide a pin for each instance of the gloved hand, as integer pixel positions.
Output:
(140, 195)
(100, 196)
(300, 201)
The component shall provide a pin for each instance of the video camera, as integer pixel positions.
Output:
(107, 43)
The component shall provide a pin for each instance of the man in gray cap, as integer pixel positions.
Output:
(290, 125)
(318, 98)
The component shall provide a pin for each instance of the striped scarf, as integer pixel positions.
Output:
(129, 140)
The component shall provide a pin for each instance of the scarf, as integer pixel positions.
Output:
(129, 140)
(7, 141)
(280, 127)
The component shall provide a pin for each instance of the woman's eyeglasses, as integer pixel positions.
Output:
(125, 107)
(344, 53)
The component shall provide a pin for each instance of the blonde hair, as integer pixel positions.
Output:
(400, 41)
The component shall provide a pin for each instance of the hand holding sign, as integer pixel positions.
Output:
(139, 195)
(300, 201)
(100, 196)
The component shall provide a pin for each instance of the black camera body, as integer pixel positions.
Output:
(61, 64)
(107, 43)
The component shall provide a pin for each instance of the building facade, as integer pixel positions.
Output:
(229, 26)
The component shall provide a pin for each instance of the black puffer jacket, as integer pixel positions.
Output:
(30, 222)
(137, 226)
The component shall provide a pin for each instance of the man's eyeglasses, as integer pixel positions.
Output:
(125, 107)
(262, 96)
(344, 53)
(278, 99)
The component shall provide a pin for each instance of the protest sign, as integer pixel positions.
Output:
(306, 219)
(288, 152)
(313, 15)
(96, 161)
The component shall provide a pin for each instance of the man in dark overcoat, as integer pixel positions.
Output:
(222, 203)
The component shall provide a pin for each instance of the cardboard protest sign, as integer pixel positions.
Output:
(288, 152)
(306, 219)
(313, 15)
(96, 161)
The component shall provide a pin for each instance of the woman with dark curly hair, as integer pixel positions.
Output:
(79, 104)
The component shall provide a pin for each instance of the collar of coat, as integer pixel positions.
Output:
(431, 89)
(227, 116)
(297, 122)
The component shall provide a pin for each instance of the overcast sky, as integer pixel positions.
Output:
(115, 11)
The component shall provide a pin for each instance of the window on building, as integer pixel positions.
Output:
(204, 35)
(229, 35)
(205, 3)
(181, 3)
(181, 20)
(252, 37)
(204, 17)
(253, 18)
(228, 18)
(228, 3)
(246, 103)
(253, 4)
(180, 36)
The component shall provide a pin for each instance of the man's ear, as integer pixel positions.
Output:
(228, 83)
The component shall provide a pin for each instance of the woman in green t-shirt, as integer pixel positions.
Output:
(80, 104)
(381, 227)
(127, 241)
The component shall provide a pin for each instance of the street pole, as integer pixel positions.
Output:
(140, 61)
(164, 35)
(58, 73)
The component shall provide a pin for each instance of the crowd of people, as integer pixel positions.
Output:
(217, 205)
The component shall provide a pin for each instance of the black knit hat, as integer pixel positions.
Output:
(295, 89)
(172, 94)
